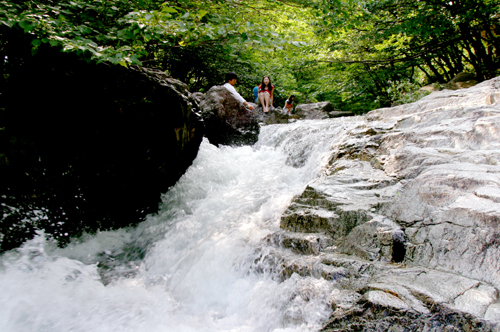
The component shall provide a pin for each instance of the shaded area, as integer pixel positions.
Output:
(86, 146)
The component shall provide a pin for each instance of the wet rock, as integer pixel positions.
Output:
(341, 201)
(87, 146)
(410, 199)
(371, 316)
(343, 300)
(377, 239)
(227, 121)
(301, 243)
(412, 300)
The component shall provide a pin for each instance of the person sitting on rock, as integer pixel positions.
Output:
(256, 94)
(289, 105)
(266, 93)
(231, 79)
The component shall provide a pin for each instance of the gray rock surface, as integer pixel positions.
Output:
(338, 114)
(198, 96)
(314, 110)
(274, 116)
(406, 218)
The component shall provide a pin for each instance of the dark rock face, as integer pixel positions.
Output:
(87, 146)
(226, 121)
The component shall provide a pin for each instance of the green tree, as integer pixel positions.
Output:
(382, 44)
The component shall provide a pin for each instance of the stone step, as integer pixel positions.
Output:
(385, 285)
(301, 243)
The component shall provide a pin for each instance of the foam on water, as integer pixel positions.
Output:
(199, 264)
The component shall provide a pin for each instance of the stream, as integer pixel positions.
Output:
(202, 263)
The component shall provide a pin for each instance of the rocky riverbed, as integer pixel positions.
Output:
(405, 218)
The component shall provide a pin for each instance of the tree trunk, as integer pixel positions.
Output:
(476, 54)
(426, 73)
(473, 60)
(436, 73)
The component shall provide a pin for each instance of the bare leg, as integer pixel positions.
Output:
(267, 99)
(264, 100)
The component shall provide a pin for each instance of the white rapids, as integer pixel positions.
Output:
(199, 264)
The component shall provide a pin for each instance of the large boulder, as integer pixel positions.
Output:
(315, 110)
(339, 114)
(227, 122)
(87, 146)
(416, 185)
(463, 80)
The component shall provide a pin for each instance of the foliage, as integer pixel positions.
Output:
(404, 92)
(345, 51)
(377, 44)
(123, 31)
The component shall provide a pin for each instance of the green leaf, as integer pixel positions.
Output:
(169, 10)
(26, 25)
(202, 13)
(36, 42)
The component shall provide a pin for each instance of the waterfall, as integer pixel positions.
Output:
(202, 263)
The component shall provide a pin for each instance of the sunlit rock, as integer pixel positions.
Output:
(377, 239)
(314, 111)
(462, 81)
(417, 185)
(302, 243)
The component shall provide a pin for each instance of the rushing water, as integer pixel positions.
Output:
(199, 264)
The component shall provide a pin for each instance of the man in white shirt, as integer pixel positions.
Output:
(231, 79)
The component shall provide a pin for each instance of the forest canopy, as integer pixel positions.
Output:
(360, 55)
